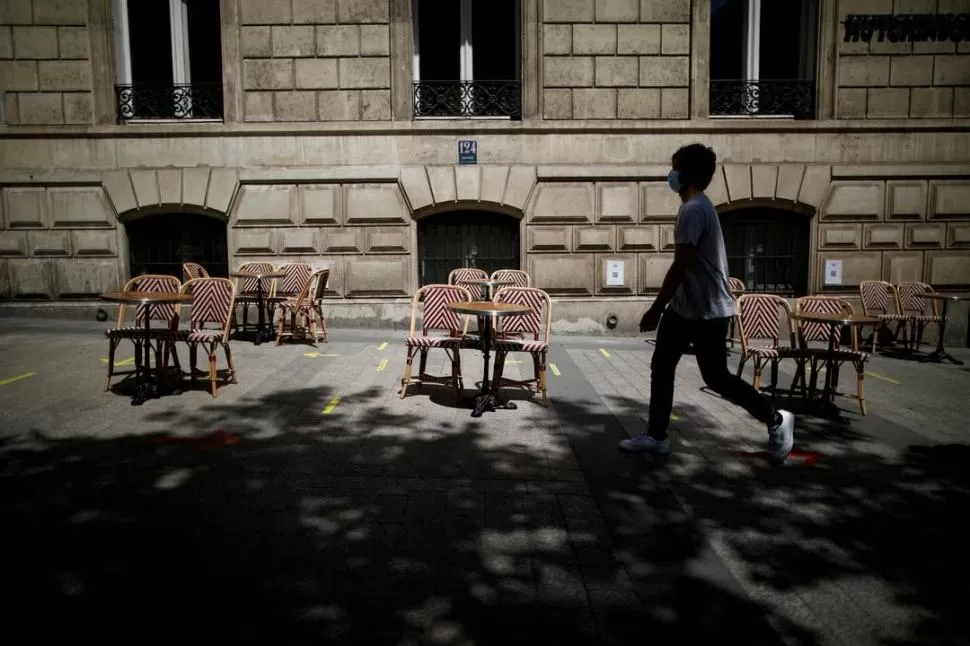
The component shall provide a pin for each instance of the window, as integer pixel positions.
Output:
(159, 244)
(763, 58)
(169, 59)
(768, 249)
(466, 58)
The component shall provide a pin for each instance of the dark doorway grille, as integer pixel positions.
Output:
(488, 241)
(159, 244)
(768, 249)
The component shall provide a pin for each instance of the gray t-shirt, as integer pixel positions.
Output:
(705, 292)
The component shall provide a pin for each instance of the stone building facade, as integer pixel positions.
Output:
(325, 131)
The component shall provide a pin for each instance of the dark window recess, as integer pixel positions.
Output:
(159, 244)
(768, 249)
(482, 31)
(162, 87)
(763, 58)
(488, 241)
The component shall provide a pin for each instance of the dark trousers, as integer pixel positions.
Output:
(674, 336)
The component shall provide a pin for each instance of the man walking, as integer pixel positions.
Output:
(697, 296)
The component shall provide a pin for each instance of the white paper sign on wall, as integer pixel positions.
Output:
(614, 273)
(833, 272)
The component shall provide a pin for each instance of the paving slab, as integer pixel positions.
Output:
(309, 502)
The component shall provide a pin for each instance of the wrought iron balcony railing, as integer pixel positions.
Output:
(468, 99)
(763, 98)
(167, 101)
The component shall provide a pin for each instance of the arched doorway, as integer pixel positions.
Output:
(482, 239)
(159, 244)
(768, 249)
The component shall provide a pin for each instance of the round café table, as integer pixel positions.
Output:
(262, 333)
(486, 400)
(146, 388)
(835, 322)
(939, 355)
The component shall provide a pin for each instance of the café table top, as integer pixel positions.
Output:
(835, 318)
(487, 282)
(257, 274)
(941, 297)
(488, 308)
(147, 297)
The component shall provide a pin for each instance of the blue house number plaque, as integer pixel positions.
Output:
(467, 152)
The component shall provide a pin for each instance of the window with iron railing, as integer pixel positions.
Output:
(169, 59)
(768, 249)
(763, 58)
(467, 57)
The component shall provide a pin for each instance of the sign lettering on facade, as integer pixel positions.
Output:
(467, 152)
(915, 27)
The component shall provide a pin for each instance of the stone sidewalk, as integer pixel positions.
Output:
(310, 503)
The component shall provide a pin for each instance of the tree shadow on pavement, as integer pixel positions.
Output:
(366, 526)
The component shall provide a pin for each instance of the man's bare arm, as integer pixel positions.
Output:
(684, 257)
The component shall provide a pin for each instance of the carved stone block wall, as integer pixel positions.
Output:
(45, 67)
(896, 230)
(575, 228)
(615, 59)
(57, 241)
(881, 79)
(316, 60)
(361, 231)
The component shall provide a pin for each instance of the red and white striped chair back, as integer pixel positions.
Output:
(250, 285)
(737, 285)
(296, 279)
(168, 312)
(436, 315)
(518, 277)
(878, 297)
(758, 317)
(531, 323)
(457, 276)
(812, 330)
(212, 302)
(192, 270)
(911, 299)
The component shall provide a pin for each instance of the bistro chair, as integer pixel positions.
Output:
(518, 277)
(168, 313)
(299, 316)
(880, 300)
(462, 274)
(246, 292)
(192, 270)
(535, 323)
(292, 285)
(212, 302)
(436, 317)
(758, 320)
(913, 306)
(737, 288)
(809, 332)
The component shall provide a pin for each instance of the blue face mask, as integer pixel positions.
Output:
(673, 180)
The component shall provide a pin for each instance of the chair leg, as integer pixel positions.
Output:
(313, 329)
(541, 377)
(741, 363)
(245, 309)
(323, 324)
(498, 370)
(232, 366)
(213, 386)
(756, 380)
(423, 363)
(279, 328)
(112, 345)
(456, 372)
(175, 355)
(406, 380)
(813, 384)
(861, 377)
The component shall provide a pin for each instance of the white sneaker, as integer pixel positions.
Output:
(781, 438)
(643, 443)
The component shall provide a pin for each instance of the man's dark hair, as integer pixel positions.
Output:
(696, 163)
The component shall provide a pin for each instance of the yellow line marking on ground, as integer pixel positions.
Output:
(382, 365)
(17, 378)
(604, 353)
(333, 404)
(382, 346)
(513, 362)
(674, 418)
(554, 368)
(118, 364)
(314, 355)
(884, 378)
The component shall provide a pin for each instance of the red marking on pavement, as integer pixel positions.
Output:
(214, 439)
(796, 457)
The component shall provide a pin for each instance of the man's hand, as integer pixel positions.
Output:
(651, 319)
